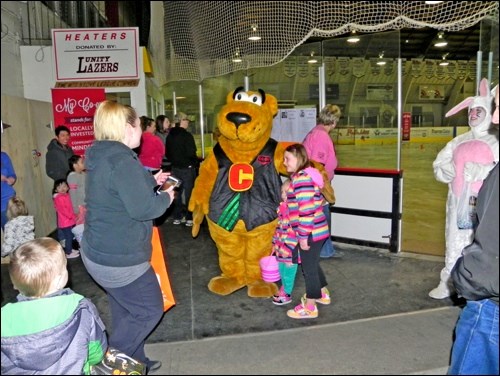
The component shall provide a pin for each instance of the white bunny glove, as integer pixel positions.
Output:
(444, 172)
(476, 172)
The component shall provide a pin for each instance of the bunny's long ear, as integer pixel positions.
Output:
(494, 91)
(464, 104)
(484, 88)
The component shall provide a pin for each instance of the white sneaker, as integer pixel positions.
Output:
(74, 254)
(183, 220)
(189, 223)
(443, 291)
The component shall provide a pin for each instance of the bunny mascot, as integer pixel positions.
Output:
(463, 164)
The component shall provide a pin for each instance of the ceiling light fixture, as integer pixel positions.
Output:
(237, 58)
(433, 2)
(353, 38)
(440, 41)
(444, 62)
(381, 57)
(312, 59)
(253, 34)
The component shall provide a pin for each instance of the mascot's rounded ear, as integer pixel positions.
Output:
(271, 102)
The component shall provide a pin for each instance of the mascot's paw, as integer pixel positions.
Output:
(224, 285)
(197, 220)
(261, 289)
(195, 230)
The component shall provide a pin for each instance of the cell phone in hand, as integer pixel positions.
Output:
(171, 181)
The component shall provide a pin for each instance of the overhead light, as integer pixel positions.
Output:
(254, 35)
(237, 58)
(433, 2)
(312, 59)
(381, 60)
(440, 41)
(444, 62)
(353, 38)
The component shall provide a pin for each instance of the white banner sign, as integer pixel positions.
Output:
(96, 54)
(293, 125)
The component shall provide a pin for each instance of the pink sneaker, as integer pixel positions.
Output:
(325, 297)
(282, 297)
(302, 312)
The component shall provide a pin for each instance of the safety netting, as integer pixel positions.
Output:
(204, 37)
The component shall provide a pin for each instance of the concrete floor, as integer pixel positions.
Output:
(381, 320)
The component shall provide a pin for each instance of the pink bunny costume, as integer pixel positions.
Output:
(468, 158)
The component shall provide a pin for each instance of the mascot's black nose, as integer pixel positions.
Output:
(238, 118)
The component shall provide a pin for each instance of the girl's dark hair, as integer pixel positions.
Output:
(57, 183)
(159, 123)
(145, 122)
(72, 160)
(300, 152)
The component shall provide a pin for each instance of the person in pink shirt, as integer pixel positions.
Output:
(152, 149)
(319, 147)
(66, 218)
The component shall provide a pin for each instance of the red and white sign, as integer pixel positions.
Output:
(75, 109)
(96, 54)
(406, 126)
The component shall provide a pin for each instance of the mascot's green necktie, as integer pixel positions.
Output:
(231, 213)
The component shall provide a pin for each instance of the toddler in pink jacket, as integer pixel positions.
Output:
(66, 218)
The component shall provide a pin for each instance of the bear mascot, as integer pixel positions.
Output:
(238, 192)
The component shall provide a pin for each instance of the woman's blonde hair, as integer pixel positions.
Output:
(110, 120)
(329, 115)
(35, 264)
(16, 207)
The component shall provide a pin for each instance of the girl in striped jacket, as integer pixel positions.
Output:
(309, 223)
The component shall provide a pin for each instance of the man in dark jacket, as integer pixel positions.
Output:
(475, 276)
(58, 154)
(181, 152)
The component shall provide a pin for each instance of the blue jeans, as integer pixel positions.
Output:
(475, 350)
(327, 250)
(66, 234)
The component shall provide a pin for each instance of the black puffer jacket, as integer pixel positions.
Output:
(181, 148)
(56, 162)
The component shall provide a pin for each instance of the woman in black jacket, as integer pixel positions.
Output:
(116, 245)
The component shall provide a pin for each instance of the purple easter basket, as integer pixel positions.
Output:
(269, 269)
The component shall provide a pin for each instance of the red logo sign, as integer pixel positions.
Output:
(264, 159)
(75, 109)
(406, 126)
(241, 177)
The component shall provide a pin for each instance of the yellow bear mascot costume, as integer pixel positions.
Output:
(238, 191)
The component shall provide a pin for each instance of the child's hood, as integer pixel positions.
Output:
(315, 176)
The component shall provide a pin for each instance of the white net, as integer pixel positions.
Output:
(202, 37)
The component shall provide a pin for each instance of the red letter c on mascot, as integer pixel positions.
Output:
(240, 177)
